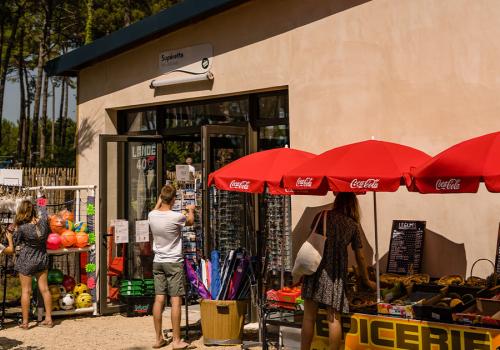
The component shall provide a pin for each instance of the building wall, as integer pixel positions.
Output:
(422, 73)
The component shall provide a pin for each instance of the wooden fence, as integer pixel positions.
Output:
(49, 177)
(34, 177)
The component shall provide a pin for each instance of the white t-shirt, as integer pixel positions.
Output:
(2, 248)
(166, 229)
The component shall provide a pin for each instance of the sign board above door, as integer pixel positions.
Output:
(194, 59)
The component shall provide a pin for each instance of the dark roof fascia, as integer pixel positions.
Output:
(168, 20)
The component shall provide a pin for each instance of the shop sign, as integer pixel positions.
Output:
(362, 332)
(143, 151)
(145, 155)
(194, 59)
(406, 247)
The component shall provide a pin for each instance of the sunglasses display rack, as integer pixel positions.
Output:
(277, 227)
(227, 220)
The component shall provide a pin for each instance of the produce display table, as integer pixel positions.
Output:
(375, 332)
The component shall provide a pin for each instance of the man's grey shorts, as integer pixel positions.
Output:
(169, 278)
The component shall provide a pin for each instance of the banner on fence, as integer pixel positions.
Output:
(11, 177)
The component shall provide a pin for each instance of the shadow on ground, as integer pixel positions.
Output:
(7, 343)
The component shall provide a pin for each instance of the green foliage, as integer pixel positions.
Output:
(8, 148)
(71, 24)
(178, 151)
(64, 155)
(111, 15)
(89, 23)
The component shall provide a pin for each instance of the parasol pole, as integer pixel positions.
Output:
(377, 263)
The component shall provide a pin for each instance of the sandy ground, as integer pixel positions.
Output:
(104, 332)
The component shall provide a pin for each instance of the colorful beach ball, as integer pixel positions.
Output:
(82, 240)
(53, 241)
(68, 238)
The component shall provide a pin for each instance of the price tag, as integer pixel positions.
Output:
(141, 231)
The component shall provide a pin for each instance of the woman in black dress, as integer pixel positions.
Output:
(327, 286)
(33, 260)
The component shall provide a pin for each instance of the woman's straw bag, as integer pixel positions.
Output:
(311, 252)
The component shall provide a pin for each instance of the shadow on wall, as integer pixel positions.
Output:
(86, 134)
(244, 32)
(441, 256)
(180, 88)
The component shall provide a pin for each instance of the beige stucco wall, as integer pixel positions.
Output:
(423, 72)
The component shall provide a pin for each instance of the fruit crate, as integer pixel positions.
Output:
(485, 312)
(432, 310)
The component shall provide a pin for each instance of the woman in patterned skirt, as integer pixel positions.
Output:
(327, 286)
(33, 260)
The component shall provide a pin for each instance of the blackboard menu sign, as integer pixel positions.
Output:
(497, 258)
(406, 247)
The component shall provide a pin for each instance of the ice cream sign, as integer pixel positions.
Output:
(194, 59)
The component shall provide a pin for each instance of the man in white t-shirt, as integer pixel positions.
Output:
(168, 268)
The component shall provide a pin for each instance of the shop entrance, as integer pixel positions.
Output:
(221, 220)
(190, 140)
(129, 179)
(228, 216)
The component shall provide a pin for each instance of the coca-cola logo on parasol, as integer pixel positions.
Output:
(368, 183)
(241, 185)
(450, 185)
(304, 182)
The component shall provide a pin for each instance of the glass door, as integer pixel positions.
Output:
(129, 181)
(227, 218)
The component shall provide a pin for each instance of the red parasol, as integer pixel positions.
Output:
(460, 168)
(252, 173)
(376, 166)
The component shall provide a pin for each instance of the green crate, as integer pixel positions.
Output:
(135, 282)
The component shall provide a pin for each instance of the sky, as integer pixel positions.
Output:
(11, 102)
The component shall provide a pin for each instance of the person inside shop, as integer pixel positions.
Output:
(9, 249)
(168, 269)
(327, 286)
(31, 236)
(189, 162)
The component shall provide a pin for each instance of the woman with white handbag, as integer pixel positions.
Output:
(323, 262)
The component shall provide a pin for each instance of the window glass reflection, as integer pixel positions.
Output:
(217, 112)
(273, 106)
(141, 121)
(273, 136)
